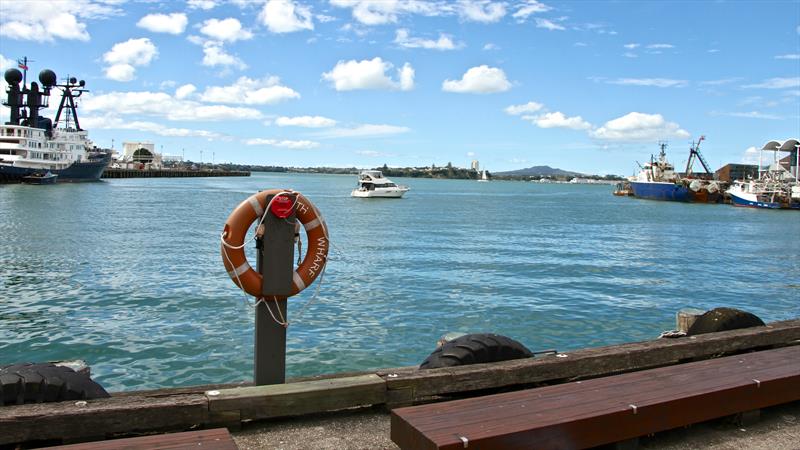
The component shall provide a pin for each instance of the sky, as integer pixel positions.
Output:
(587, 86)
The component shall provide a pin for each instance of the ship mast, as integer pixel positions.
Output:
(72, 89)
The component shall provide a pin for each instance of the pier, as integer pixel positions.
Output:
(171, 173)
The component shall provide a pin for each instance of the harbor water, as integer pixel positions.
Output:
(127, 273)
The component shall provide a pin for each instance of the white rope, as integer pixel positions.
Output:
(261, 221)
(282, 322)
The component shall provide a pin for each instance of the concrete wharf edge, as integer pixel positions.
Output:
(177, 409)
(171, 173)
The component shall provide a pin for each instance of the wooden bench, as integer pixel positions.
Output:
(216, 439)
(599, 411)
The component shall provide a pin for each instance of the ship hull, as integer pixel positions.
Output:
(751, 201)
(660, 191)
(78, 172)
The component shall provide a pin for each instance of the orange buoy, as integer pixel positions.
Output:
(242, 218)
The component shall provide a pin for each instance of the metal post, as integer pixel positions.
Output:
(275, 263)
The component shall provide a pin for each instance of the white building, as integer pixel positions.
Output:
(475, 165)
(136, 154)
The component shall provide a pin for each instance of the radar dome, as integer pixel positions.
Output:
(47, 77)
(73, 80)
(82, 83)
(13, 76)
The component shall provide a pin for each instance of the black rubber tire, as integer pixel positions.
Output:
(475, 349)
(45, 382)
(723, 319)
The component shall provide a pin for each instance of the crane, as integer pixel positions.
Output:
(694, 151)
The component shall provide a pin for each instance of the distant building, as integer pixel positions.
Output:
(139, 154)
(475, 165)
(731, 172)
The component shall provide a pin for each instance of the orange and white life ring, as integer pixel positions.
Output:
(240, 221)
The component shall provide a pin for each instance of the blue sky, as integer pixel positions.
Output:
(584, 86)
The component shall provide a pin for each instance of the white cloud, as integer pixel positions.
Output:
(484, 11)
(215, 55)
(225, 30)
(750, 156)
(631, 46)
(162, 105)
(754, 115)
(660, 46)
(125, 56)
(789, 56)
(117, 123)
(718, 82)
(713, 50)
(558, 120)
(491, 46)
(6, 63)
(657, 82)
(369, 74)
(364, 131)
(293, 145)
(479, 80)
(286, 16)
(305, 121)
(530, 107)
(777, 83)
(201, 4)
(185, 91)
(444, 42)
(380, 12)
(174, 23)
(548, 25)
(370, 153)
(249, 91)
(529, 7)
(636, 126)
(45, 21)
(630, 55)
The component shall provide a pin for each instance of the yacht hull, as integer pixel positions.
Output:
(377, 194)
(77, 172)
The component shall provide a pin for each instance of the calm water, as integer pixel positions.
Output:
(127, 273)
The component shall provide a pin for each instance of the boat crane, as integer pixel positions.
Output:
(694, 151)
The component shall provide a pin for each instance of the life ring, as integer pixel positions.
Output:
(242, 218)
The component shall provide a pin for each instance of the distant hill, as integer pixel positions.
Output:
(539, 171)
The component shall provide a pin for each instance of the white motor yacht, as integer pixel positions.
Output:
(371, 183)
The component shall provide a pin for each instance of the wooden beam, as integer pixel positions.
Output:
(292, 399)
(407, 387)
(100, 418)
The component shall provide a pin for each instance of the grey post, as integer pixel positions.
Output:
(275, 263)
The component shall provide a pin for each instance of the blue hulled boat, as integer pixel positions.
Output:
(658, 181)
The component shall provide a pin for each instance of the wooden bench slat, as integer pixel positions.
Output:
(595, 409)
(581, 395)
(216, 439)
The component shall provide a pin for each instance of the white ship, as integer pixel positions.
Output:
(372, 184)
(31, 144)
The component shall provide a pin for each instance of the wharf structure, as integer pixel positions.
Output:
(171, 173)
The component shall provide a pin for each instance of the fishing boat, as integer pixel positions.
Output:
(777, 185)
(623, 189)
(372, 184)
(703, 188)
(32, 144)
(40, 178)
(658, 180)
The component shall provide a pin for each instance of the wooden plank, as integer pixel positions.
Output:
(598, 411)
(413, 386)
(259, 402)
(216, 439)
(102, 417)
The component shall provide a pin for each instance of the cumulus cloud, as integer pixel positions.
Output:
(484, 11)
(528, 8)
(117, 123)
(225, 30)
(656, 82)
(479, 80)
(380, 12)
(161, 105)
(293, 145)
(558, 120)
(527, 108)
(286, 16)
(548, 25)
(36, 20)
(776, 83)
(201, 4)
(369, 74)
(491, 46)
(215, 55)
(364, 131)
(305, 121)
(185, 91)
(636, 126)
(444, 42)
(125, 56)
(174, 23)
(250, 91)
